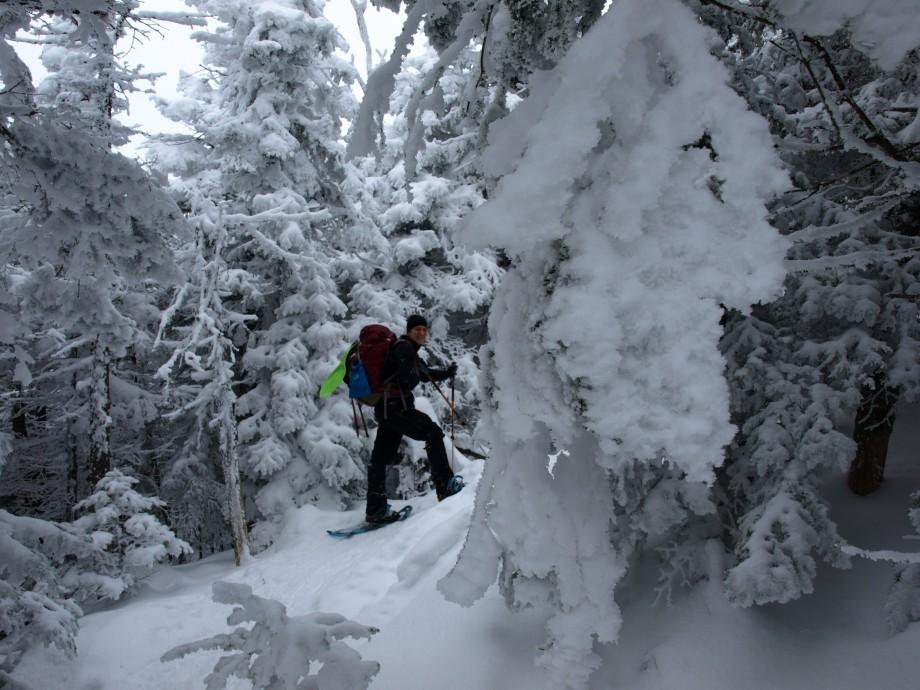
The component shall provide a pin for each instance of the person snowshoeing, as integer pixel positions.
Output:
(397, 417)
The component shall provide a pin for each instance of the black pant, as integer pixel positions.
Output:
(394, 423)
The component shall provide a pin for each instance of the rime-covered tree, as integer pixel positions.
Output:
(604, 333)
(201, 328)
(125, 525)
(514, 40)
(83, 251)
(88, 238)
(35, 605)
(268, 154)
(839, 349)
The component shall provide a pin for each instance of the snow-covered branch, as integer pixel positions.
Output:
(380, 85)
(180, 18)
(279, 652)
(887, 555)
(360, 7)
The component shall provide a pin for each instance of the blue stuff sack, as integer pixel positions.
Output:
(358, 385)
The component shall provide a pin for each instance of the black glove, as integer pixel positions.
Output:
(452, 370)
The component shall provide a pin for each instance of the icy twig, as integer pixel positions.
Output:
(881, 555)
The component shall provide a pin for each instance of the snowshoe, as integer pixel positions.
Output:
(388, 519)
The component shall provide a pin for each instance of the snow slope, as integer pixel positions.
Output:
(835, 638)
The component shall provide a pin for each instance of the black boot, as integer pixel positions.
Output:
(454, 486)
(441, 473)
(377, 507)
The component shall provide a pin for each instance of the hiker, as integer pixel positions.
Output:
(397, 417)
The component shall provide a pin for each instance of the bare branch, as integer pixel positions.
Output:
(877, 138)
(360, 7)
(814, 78)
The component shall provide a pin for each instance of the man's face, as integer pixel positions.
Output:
(418, 335)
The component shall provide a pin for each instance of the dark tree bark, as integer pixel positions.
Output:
(73, 464)
(100, 404)
(872, 431)
(20, 418)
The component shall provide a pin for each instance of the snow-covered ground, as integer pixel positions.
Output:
(835, 638)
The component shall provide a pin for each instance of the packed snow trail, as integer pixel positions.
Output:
(385, 579)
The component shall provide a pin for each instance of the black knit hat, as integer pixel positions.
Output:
(416, 320)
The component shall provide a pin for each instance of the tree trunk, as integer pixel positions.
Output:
(100, 458)
(230, 463)
(20, 420)
(73, 464)
(872, 431)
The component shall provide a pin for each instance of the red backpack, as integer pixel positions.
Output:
(365, 362)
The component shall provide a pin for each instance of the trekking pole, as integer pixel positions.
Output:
(466, 451)
(452, 421)
(453, 410)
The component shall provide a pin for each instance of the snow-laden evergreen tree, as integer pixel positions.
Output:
(86, 80)
(83, 250)
(16, 105)
(202, 332)
(786, 411)
(279, 652)
(631, 202)
(89, 238)
(816, 375)
(269, 156)
(14, 367)
(127, 526)
(35, 605)
(203, 366)
(419, 212)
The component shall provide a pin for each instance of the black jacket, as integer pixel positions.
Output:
(404, 370)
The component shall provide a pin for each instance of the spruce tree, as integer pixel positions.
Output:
(838, 350)
(90, 240)
(201, 328)
(268, 157)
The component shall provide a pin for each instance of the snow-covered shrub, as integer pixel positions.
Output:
(787, 437)
(903, 604)
(123, 523)
(780, 537)
(35, 608)
(279, 652)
